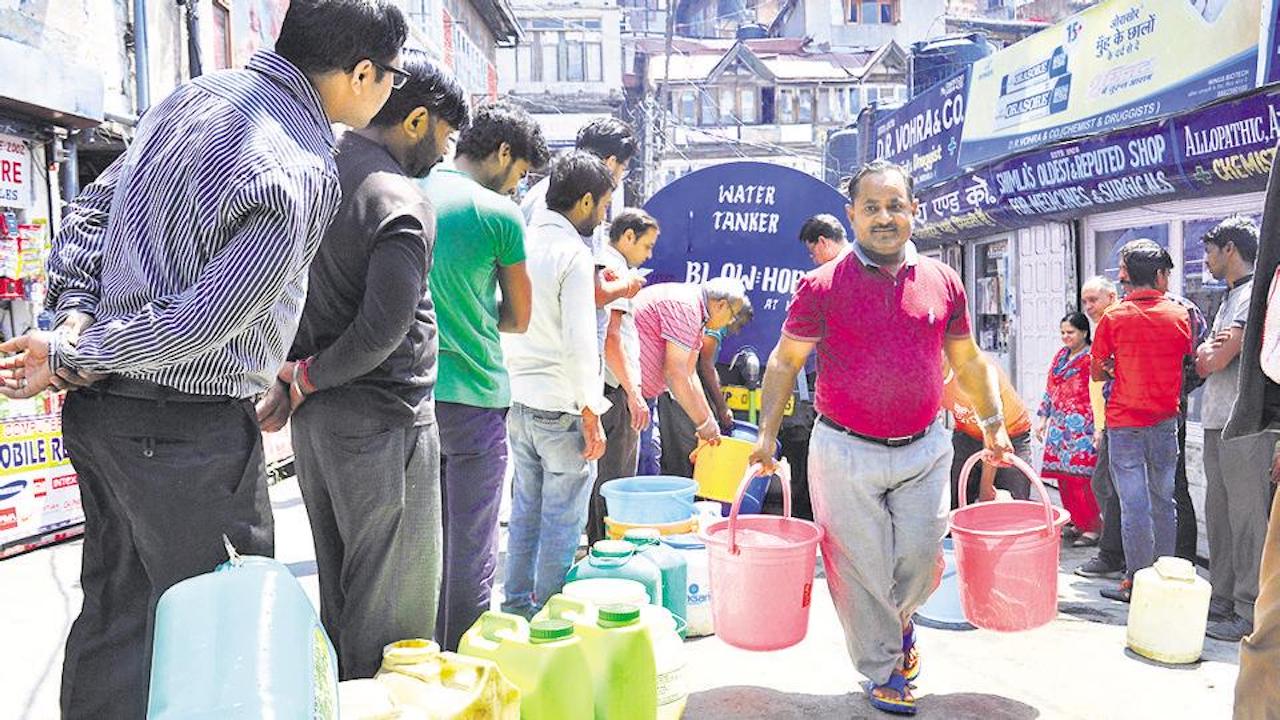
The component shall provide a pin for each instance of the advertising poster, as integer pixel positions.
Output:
(1269, 59)
(1114, 65)
(39, 492)
(924, 135)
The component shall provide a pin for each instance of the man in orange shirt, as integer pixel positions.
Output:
(1146, 336)
(967, 440)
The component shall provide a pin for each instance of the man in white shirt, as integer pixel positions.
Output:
(632, 236)
(557, 387)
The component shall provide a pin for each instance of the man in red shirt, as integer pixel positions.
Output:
(1146, 337)
(880, 318)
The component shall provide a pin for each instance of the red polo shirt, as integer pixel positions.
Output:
(879, 339)
(1147, 335)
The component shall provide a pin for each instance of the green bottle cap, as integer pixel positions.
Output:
(642, 537)
(618, 615)
(612, 549)
(541, 631)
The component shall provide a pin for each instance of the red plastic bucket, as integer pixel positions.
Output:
(762, 572)
(1007, 557)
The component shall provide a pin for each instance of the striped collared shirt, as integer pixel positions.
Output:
(191, 250)
(667, 312)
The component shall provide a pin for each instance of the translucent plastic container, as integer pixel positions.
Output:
(673, 566)
(1168, 612)
(445, 685)
(619, 559)
(545, 660)
(242, 641)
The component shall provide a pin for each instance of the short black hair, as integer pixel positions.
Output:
(318, 36)
(497, 122)
(1144, 259)
(1079, 321)
(430, 86)
(823, 225)
(1239, 230)
(634, 219)
(880, 166)
(574, 175)
(607, 137)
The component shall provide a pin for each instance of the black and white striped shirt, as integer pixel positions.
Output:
(191, 250)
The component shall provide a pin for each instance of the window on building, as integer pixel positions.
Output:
(786, 107)
(688, 107)
(804, 105)
(221, 20)
(728, 108)
(873, 12)
(578, 60)
(748, 106)
(710, 114)
(855, 102)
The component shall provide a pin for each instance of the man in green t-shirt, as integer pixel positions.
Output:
(479, 250)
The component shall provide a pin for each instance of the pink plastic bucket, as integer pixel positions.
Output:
(762, 572)
(1007, 557)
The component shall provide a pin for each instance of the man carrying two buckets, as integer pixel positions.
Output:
(879, 459)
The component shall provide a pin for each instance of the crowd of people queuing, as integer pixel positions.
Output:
(244, 266)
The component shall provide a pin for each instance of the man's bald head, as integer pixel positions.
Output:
(1096, 295)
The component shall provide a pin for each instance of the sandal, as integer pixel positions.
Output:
(903, 704)
(910, 654)
(1089, 539)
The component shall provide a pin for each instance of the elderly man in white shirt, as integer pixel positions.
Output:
(557, 387)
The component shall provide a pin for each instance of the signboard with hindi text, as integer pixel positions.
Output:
(1114, 65)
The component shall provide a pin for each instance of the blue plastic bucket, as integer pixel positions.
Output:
(649, 499)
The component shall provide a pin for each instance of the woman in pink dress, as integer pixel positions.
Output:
(1066, 428)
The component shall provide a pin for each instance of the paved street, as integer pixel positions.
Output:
(1075, 668)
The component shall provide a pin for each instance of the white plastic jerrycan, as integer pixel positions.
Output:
(1168, 612)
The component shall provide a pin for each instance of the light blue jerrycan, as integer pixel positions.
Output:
(242, 641)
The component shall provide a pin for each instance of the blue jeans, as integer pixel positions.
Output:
(650, 445)
(551, 491)
(1143, 462)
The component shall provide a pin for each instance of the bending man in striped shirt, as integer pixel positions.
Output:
(180, 275)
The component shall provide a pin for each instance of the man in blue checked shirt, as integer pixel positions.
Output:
(178, 278)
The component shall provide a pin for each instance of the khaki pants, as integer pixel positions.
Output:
(1258, 687)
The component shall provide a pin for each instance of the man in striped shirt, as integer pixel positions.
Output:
(671, 318)
(180, 275)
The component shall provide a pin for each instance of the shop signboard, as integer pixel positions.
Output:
(1226, 148)
(741, 220)
(924, 135)
(15, 172)
(1114, 65)
(39, 491)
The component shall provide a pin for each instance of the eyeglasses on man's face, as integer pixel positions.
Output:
(398, 77)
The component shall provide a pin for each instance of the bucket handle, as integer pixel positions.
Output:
(784, 477)
(963, 483)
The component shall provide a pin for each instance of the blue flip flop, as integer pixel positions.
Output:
(904, 705)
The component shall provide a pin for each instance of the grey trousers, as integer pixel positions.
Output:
(372, 491)
(1237, 493)
(621, 454)
(885, 513)
(160, 483)
(679, 437)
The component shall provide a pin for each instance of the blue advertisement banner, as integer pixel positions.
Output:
(741, 220)
(1224, 148)
(1271, 45)
(924, 135)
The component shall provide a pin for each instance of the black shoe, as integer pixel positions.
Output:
(1231, 630)
(1096, 567)
(1221, 609)
(1119, 594)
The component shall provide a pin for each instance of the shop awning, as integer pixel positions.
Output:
(44, 87)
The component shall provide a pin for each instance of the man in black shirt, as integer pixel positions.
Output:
(360, 386)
